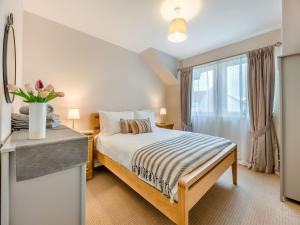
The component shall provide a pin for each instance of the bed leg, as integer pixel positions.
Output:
(234, 169)
(183, 212)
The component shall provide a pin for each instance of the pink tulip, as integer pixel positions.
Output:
(60, 94)
(49, 88)
(44, 94)
(28, 88)
(39, 85)
(12, 87)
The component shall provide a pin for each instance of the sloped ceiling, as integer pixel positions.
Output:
(164, 66)
(141, 24)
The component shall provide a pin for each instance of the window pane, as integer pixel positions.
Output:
(202, 92)
(233, 88)
(244, 88)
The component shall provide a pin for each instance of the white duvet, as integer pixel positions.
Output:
(121, 147)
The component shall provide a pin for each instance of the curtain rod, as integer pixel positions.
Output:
(276, 45)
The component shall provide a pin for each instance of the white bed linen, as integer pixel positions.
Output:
(121, 147)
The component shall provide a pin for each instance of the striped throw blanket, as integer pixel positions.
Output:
(162, 163)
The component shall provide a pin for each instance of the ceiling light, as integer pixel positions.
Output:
(177, 28)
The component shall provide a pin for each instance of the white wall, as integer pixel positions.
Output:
(173, 92)
(173, 105)
(234, 49)
(93, 73)
(290, 26)
(7, 6)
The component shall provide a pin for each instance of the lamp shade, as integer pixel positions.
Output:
(177, 30)
(73, 114)
(163, 111)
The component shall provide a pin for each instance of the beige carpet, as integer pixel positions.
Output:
(255, 201)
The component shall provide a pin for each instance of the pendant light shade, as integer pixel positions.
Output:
(177, 30)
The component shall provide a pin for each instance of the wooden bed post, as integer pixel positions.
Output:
(183, 211)
(234, 168)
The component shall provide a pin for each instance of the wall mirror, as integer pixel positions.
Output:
(9, 57)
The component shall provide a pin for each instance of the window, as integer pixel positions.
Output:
(220, 87)
(203, 90)
(219, 101)
(234, 85)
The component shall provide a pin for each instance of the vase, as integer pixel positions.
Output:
(37, 120)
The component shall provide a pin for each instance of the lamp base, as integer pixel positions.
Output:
(163, 119)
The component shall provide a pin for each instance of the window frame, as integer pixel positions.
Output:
(219, 77)
(208, 67)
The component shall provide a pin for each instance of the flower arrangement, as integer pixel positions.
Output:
(40, 94)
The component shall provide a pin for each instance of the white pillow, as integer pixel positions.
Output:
(144, 114)
(110, 121)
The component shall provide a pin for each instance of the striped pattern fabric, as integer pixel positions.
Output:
(125, 127)
(139, 126)
(161, 164)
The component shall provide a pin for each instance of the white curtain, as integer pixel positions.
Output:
(219, 102)
(277, 111)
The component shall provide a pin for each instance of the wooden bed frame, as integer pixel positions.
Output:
(191, 187)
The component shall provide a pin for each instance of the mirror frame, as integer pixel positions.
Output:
(8, 28)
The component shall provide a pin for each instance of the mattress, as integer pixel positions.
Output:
(121, 147)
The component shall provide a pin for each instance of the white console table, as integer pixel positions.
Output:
(37, 191)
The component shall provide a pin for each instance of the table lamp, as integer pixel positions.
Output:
(163, 113)
(73, 114)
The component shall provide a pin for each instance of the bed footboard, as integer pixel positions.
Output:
(193, 186)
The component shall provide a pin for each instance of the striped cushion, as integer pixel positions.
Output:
(125, 127)
(139, 126)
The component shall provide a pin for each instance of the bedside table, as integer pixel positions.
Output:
(90, 162)
(165, 125)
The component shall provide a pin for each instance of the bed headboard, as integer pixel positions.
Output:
(95, 121)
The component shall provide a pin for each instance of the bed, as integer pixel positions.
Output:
(191, 186)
